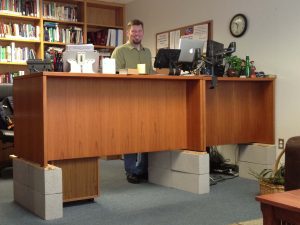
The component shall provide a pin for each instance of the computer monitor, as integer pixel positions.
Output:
(166, 58)
(215, 51)
(191, 51)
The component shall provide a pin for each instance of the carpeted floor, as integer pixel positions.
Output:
(250, 222)
(122, 203)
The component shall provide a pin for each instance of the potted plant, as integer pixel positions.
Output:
(234, 65)
(271, 180)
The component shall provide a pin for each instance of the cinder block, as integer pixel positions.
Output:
(160, 159)
(21, 171)
(244, 169)
(160, 176)
(45, 180)
(229, 152)
(48, 206)
(190, 162)
(42, 192)
(194, 183)
(23, 195)
(258, 153)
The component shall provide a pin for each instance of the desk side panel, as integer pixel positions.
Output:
(95, 117)
(196, 117)
(240, 112)
(28, 114)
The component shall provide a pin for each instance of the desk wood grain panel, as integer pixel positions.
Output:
(94, 117)
(240, 112)
(196, 118)
(29, 119)
(80, 178)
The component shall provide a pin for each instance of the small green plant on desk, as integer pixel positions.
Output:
(235, 65)
(271, 180)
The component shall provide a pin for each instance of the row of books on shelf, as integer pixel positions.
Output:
(20, 7)
(54, 33)
(106, 37)
(8, 76)
(60, 11)
(11, 53)
(19, 30)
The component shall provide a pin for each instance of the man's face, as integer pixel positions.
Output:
(135, 34)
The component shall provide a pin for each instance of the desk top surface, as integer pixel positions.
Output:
(286, 200)
(152, 77)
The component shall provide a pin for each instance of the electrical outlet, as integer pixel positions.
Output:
(280, 143)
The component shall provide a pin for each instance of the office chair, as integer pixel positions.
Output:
(6, 136)
(292, 162)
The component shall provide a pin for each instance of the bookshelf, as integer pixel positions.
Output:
(52, 22)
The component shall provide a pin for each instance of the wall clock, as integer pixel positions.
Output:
(238, 25)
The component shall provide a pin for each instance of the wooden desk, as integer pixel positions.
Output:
(281, 208)
(63, 116)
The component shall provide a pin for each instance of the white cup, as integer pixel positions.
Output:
(141, 68)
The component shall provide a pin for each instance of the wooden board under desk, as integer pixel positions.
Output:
(67, 116)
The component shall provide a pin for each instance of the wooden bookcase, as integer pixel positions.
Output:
(92, 15)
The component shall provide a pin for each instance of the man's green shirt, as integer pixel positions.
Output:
(127, 57)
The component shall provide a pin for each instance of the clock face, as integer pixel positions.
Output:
(238, 25)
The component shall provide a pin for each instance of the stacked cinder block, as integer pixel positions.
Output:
(256, 157)
(38, 189)
(180, 169)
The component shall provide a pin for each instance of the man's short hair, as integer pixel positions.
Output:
(134, 22)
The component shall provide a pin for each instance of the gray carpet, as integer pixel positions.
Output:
(228, 202)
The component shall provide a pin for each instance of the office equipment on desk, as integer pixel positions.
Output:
(109, 66)
(167, 58)
(214, 59)
(80, 58)
(141, 68)
(190, 53)
(39, 65)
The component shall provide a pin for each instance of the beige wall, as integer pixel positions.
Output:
(272, 40)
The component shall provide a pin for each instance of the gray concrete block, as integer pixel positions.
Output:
(258, 153)
(23, 195)
(42, 193)
(21, 171)
(160, 159)
(46, 180)
(160, 176)
(48, 206)
(229, 152)
(195, 183)
(244, 169)
(190, 162)
(53, 181)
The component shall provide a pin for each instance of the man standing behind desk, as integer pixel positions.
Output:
(128, 56)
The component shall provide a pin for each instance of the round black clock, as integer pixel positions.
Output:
(238, 25)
